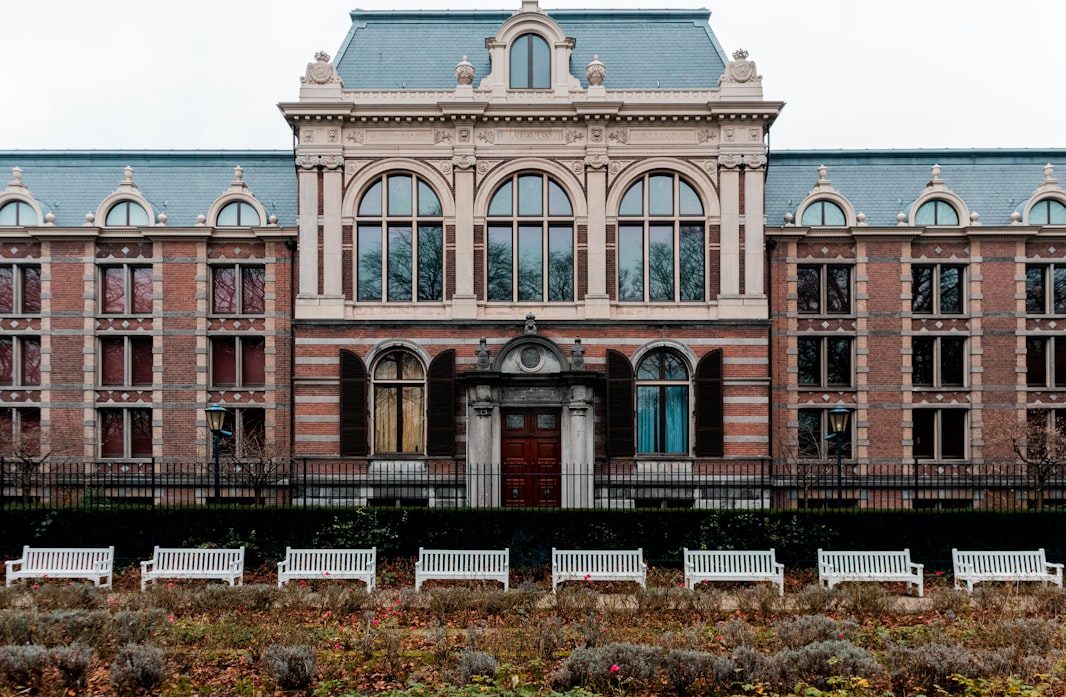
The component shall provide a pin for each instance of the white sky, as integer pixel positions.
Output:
(207, 74)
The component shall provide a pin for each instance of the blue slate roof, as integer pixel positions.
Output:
(881, 183)
(182, 184)
(642, 49)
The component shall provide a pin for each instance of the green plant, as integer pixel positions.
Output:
(365, 527)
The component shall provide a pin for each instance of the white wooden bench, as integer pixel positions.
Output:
(598, 565)
(194, 563)
(92, 563)
(733, 565)
(463, 565)
(838, 566)
(1016, 565)
(358, 564)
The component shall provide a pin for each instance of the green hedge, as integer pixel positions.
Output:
(530, 534)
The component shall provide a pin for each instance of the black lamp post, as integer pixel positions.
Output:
(216, 416)
(838, 422)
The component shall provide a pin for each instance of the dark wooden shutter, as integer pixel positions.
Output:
(710, 432)
(440, 439)
(354, 441)
(619, 405)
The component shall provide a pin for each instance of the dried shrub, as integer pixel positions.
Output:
(214, 597)
(816, 599)
(341, 599)
(705, 601)
(291, 667)
(735, 632)
(135, 627)
(258, 597)
(549, 637)
(1023, 636)
(609, 667)
(866, 600)
(495, 602)
(17, 627)
(1049, 601)
(657, 600)
(68, 596)
(762, 601)
(138, 667)
(945, 599)
(697, 672)
(92, 627)
(576, 600)
(447, 601)
(993, 600)
(23, 666)
(73, 663)
(814, 663)
(477, 664)
(799, 631)
(926, 665)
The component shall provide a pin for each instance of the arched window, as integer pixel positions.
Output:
(823, 213)
(1047, 211)
(238, 214)
(662, 403)
(127, 214)
(18, 213)
(936, 212)
(530, 63)
(530, 246)
(399, 242)
(399, 389)
(660, 241)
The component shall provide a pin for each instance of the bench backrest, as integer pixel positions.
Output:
(598, 561)
(330, 559)
(1002, 562)
(858, 562)
(463, 560)
(183, 559)
(730, 561)
(66, 559)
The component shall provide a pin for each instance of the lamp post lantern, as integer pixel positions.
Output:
(838, 423)
(216, 416)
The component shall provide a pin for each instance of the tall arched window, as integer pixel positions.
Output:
(823, 213)
(530, 63)
(18, 213)
(399, 242)
(936, 212)
(399, 389)
(662, 403)
(530, 246)
(1048, 211)
(660, 241)
(127, 214)
(238, 214)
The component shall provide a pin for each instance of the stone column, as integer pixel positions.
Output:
(754, 183)
(597, 304)
(483, 472)
(308, 223)
(464, 303)
(729, 185)
(577, 472)
(332, 196)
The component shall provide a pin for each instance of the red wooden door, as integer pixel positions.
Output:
(531, 469)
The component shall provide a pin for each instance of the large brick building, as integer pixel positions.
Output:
(530, 262)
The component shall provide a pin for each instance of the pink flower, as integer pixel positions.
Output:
(719, 638)
(170, 584)
(375, 620)
(939, 573)
(170, 619)
(615, 668)
(35, 586)
(840, 635)
(588, 576)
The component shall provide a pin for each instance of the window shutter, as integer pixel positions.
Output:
(353, 406)
(440, 439)
(619, 405)
(710, 433)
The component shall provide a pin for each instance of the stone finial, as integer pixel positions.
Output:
(789, 217)
(238, 173)
(1015, 218)
(975, 218)
(901, 218)
(482, 352)
(321, 72)
(464, 72)
(822, 172)
(201, 220)
(273, 219)
(1049, 171)
(531, 324)
(127, 171)
(595, 71)
(162, 218)
(89, 219)
(49, 218)
(936, 173)
(740, 69)
(860, 217)
(16, 176)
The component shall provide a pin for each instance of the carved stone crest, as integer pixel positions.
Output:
(619, 135)
(729, 161)
(332, 161)
(321, 72)
(464, 161)
(445, 167)
(441, 135)
(755, 161)
(487, 136)
(617, 166)
(355, 136)
(483, 166)
(705, 134)
(597, 160)
(573, 136)
(308, 161)
(740, 69)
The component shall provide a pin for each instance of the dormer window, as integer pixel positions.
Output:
(126, 214)
(17, 213)
(936, 212)
(823, 213)
(238, 214)
(1047, 211)
(530, 63)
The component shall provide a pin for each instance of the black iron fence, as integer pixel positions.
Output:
(749, 485)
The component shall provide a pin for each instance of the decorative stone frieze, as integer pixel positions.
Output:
(441, 135)
(705, 135)
(487, 135)
(619, 135)
(355, 136)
